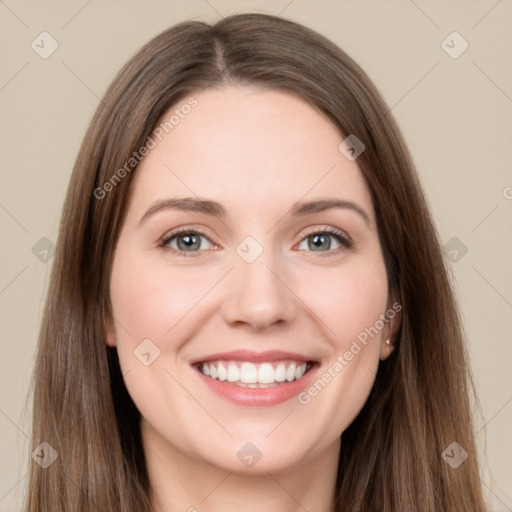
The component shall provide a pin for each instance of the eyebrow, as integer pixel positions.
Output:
(215, 209)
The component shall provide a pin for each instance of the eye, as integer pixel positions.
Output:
(321, 242)
(189, 242)
(184, 240)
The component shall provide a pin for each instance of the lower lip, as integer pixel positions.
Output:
(258, 396)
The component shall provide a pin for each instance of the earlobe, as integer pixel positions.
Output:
(390, 335)
(387, 348)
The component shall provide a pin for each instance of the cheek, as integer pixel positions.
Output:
(348, 300)
(149, 300)
(353, 300)
(358, 323)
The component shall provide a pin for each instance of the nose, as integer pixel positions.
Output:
(258, 296)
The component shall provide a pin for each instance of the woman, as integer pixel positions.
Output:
(249, 307)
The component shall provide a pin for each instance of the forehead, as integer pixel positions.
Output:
(246, 146)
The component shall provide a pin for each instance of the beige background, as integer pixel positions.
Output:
(456, 114)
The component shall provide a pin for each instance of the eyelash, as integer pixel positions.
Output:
(345, 241)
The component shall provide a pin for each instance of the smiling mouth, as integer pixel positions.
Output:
(255, 375)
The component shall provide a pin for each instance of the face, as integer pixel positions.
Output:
(249, 255)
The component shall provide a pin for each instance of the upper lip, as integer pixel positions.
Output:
(251, 356)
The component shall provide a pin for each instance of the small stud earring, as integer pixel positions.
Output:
(388, 342)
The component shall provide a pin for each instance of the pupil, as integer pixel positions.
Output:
(318, 239)
(189, 241)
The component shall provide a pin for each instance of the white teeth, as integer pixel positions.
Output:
(300, 371)
(280, 372)
(248, 373)
(233, 373)
(253, 375)
(266, 374)
(221, 370)
(290, 372)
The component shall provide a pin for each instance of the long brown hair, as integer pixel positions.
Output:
(391, 455)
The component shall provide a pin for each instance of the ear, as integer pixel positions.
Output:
(390, 332)
(110, 330)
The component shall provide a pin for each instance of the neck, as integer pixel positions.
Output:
(180, 481)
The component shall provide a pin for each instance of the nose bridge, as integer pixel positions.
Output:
(256, 293)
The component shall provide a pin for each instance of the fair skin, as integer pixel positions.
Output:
(257, 153)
